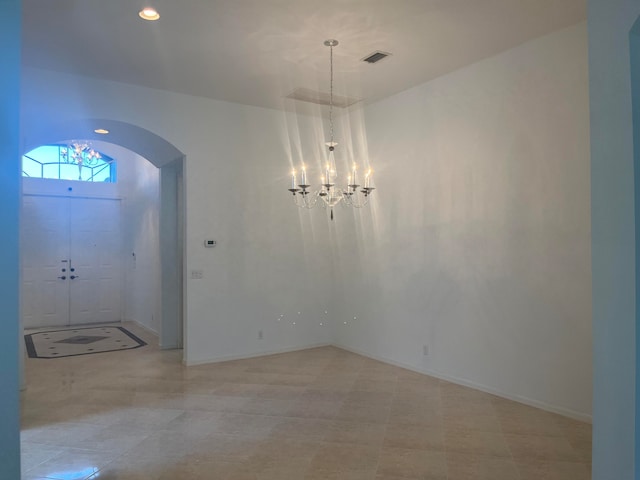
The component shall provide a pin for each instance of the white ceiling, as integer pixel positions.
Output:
(256, 52)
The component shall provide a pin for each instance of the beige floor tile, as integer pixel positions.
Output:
(322, 413)
(223, 448)
(374, 385)
(476, 442)
(295, 380)
(579, 436)
(268, 452)
(315, 394)
(199, 470)
(429, 397)
(238, 389)
(411, 463)
(198, 423)
(359, 397)
(216, 403)
(365, 474)
(364, 413)
(267, 406)
(549, 470)
(468, 402)
(357, 433)
(470, 421)
(135, 467)
(341, 457)
(530, 423)
(72, 464)
(536, 447)
(169, 444)
(314, 409)
(61, 434)
(305, 428)
(115, 439)
(285, 392)
(415, 416)
(257, 426)
(33, 454)
(463, 466)
(415, 437)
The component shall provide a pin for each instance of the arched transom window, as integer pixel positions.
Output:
(77, 161)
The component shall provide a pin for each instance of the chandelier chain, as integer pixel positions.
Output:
(331, 93)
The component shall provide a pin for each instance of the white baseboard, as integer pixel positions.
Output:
(226, 358)
(566, 412)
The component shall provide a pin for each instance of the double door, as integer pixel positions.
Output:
(71, 261)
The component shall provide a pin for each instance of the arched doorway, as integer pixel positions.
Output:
(169, 161)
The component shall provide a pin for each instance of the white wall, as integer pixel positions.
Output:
(139, 186)
(268, 261)
(614, 240)
(478, 241)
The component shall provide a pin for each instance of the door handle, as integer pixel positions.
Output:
(74, 276)
(63, 277)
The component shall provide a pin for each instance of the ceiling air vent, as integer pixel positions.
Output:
(375, 57)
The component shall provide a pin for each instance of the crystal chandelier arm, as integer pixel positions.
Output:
(304, 199)
(355, 198)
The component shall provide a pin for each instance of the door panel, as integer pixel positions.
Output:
(81, 235)
(44, 242)
(95, 255)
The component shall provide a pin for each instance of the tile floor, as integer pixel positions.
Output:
(322, 413)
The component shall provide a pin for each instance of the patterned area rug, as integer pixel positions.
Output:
(80, 341)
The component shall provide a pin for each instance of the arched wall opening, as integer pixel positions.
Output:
(170, 227)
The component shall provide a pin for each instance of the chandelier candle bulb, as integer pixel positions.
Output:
(293, 179)
(304, 176)
(354, 174)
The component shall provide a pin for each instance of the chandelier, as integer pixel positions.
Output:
(80, 153)
(330, 194)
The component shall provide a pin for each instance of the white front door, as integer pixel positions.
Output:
(71, 261)
(44, 247)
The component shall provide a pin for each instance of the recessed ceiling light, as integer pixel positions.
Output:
(101, 131)
(149, 13)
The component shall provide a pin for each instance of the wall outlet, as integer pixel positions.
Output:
(197, 274)
(425, 350)
(260, 335)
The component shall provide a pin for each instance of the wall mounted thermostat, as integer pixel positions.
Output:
(209, 243)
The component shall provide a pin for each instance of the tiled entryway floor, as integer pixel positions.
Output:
(322, 413)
